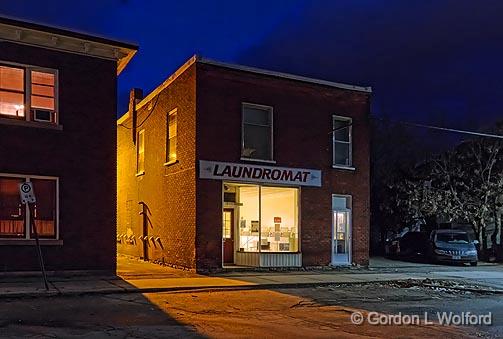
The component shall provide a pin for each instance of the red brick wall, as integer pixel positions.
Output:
(168, 191)
(82, 155)
(302, 125)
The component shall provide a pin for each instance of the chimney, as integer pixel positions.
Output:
(135, 96)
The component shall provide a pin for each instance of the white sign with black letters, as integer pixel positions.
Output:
(256, 173)
(26, 193)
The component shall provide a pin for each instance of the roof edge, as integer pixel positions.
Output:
(159, 88)
(29, 24)
(283, 75)
(197, 58)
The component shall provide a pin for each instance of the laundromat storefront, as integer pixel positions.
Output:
(260, 216)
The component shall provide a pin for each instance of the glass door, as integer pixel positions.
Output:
(341, 231)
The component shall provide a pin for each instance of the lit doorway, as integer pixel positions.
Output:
(228, 235)
(341, 230)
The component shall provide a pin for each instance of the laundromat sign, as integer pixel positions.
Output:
(255, 173)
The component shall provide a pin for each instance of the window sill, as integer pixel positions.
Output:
(258, 160)
(140, 174)
(172, 162)
(347, 168)
(30, 242)
(35, 124)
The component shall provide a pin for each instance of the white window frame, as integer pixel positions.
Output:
(28, 178)
(27, 91)
(271, 112)
(350, 142)
(140, 132)
(168, 161)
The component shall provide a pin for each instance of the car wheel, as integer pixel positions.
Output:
(473, 263)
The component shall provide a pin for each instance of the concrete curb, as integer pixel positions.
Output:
(196, 289)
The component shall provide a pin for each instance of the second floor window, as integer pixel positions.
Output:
(28, 93)
(172, 137)
(140, 152)
(342, 135)
(257, 138)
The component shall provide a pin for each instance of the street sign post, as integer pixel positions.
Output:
(27, 195)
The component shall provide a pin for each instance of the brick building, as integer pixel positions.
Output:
(58, 93)
(231, 165)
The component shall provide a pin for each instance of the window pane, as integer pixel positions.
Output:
(12, 78)
(257, 142)
(252, 115)
(341, 133)
(12, 212)
(140, 152)
(42, 78)
(172, 149)
(172, 125)
(227, 225)
(42, 102)
(279, 223)
(341, 156)
(172, 139)
(45, 208)
(47, 91)
(340, 203)
(249, 223)
(42, 90)
(12, 103)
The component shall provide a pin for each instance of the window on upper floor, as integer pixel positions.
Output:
(171, 139)
(140, 152)
(28, 93)
(257, 132)
(342, 142)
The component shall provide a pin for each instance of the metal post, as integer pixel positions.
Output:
(39, 250)
(143, 213)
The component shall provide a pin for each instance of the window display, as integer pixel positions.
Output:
(268, 218)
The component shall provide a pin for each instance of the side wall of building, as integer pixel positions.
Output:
(168, 191)
(302, 138)
(82, 155)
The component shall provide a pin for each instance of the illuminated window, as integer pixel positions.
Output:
(227, 225)
(42, 96)
(12, 90)
(40, 84)
(172, 137)
(268, 218)
(257, 132)
(14, 216)
(342, 135)
(140, 152)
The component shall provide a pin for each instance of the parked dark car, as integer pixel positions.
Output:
(408, 245)
(452, 246)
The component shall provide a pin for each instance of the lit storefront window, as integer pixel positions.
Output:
(279, 224)
(268, 218)
(249, 218)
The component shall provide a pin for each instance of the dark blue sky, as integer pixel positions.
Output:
(430, 61)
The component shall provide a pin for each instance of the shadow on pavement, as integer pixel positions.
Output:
(112, 315)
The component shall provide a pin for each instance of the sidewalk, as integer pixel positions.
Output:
(135, 276)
